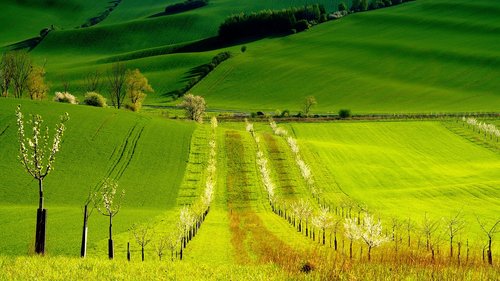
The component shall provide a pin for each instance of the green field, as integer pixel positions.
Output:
(423, 56)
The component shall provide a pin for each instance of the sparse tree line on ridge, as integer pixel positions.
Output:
(19, 75)
(488, 130)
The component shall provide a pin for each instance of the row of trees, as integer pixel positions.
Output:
(364, 227)
(269, 22)
(185, 6)
(127, 88)
(364, 5)
(198, 73)
(19, 74)
(489, 130)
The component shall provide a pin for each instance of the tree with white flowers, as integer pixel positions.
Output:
(371, 233)
(37, 156)
(352, 232)
(323, 221)
(108, 204)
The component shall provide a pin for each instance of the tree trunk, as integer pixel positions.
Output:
(369, 253)
(111, 252)
(142, 252)
(83, 249)
(350, 250)
(451, 247)
(335, 242)
(323, 236)
(490, 257)
(128, 251)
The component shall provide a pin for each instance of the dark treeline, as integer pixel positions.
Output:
(364, 5)
(271, 22)
(184, 6)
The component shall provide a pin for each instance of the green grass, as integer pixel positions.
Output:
(98, 143)
(398, 59)
(403, 169)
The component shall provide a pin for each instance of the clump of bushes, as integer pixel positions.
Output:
(94, 99)
(65, 97)
(270, 22)
(185, 6)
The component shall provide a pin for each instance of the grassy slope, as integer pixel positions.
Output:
(422, 56)
(150, 170)
(403, 168)
(25, 20)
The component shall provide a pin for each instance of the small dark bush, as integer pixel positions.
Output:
(260, 114)
(285, 113)
(253, 114)
(185, 6)
(243, 49)
(344, 113)
(94, 99)
(302, 25)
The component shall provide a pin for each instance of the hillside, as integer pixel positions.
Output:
(146, 155)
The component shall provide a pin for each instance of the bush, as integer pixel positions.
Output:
(133, 107)
(65, 97)
(342, 7)
(243, 48)
(302, 25)
(344, 113)
(94, 99)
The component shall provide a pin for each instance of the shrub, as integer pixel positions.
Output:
(302, 25)
(65, 97)
(94, 99)
(185, 6)
(285, 113)
(344, 113)
(243, 48)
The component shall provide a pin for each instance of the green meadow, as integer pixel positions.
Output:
(423, 56)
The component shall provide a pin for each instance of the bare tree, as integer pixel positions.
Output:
(302, 210)
(116, 79)
(142, 235)
(335, 227)
(309, 102)
(194, 107)
(33, 152)
(21, 69)
(6, 68)
(109, 207)
(65, 83)
(454, 224)
(409, 226)
(160, 244)
(490, 232)
(396, 227)
(428, 228)
(92, 81)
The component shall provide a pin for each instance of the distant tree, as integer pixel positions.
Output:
(302, 210)
(6, 68)
(33, 152)
(92, 81)
(109, 206)
(428, 227)
(342, 6)
(194, 107)
(116, 79)
(160, 244)
(409, 226)
(21, 69)
(243, 48)
(344, 113)
(364, 5)
(36, 86)
(142, 235)
(65, 84)
(136, 84)
(309, 102)
(490, 233)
